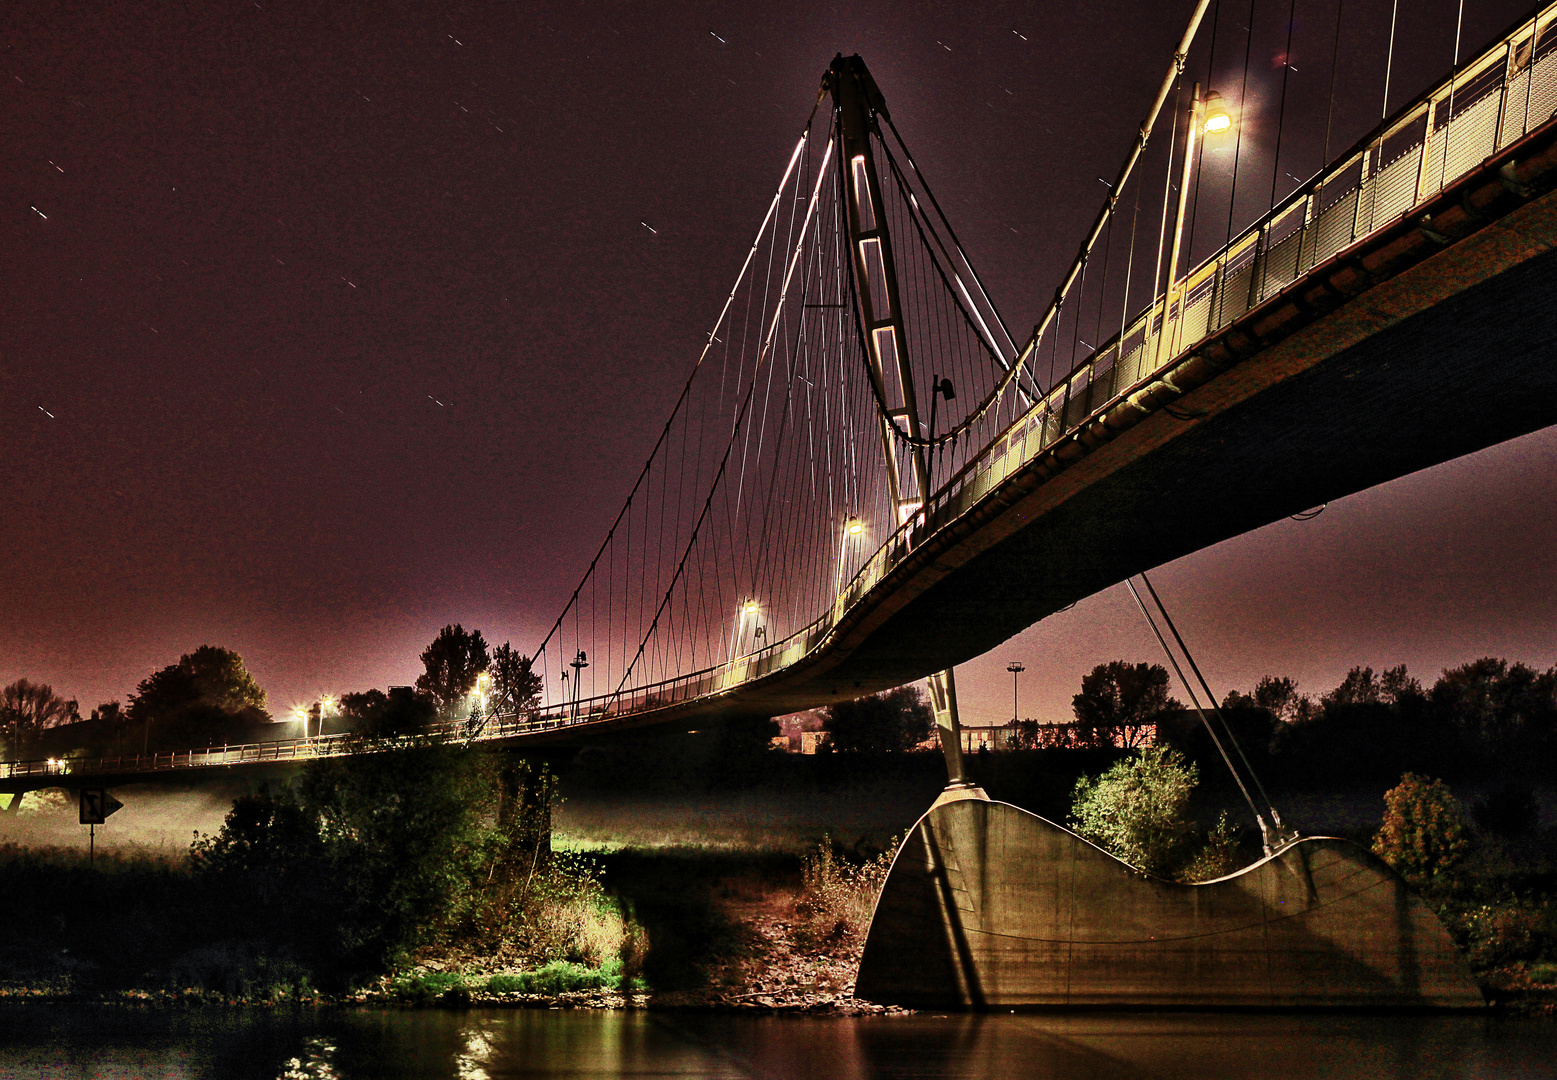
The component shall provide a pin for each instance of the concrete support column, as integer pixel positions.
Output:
(943, 698)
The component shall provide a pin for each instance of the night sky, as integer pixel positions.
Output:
(325, 325)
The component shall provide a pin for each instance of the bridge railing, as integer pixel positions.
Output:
(1488, 104)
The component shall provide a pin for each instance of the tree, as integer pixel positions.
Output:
(1119, 702)
(452, 663)
(366, 858)
(1358, 688)
(27, 708)
(377, 717)
(1506, 707)
(206, 698)
(1137, 809)
(109, 728)
(1424, 836)
(1396, 687)
(896, 720)
(515, 686)
(1276, 695)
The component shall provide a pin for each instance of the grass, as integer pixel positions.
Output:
(557, 977)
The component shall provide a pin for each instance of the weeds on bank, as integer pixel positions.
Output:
(838, 893)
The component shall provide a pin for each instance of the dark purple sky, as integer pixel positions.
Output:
(324, 325)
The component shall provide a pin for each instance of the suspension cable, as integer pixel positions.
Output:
(1243, 110)
(686, 388)
(1281, 111)
(1389, 61)
(1211, 697)
(765, 356)
(1195, 702)
(1335, 60)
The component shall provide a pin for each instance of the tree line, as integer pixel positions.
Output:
(209, 698)
(1373, 725)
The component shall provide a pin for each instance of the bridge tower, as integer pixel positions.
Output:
(858, 103)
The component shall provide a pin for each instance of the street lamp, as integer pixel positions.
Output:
(1015, 667)
(939, 388)
(578, 664)
(324, 707)
(1208, 115)
(1218, 119)
(750, 607)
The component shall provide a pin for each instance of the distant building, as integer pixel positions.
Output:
(988, 737)
(812, 741)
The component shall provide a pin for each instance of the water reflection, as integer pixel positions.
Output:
(500, 1045)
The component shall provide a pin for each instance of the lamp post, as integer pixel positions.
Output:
(939, 388)
(748, 607)
(324, 707)
(852, 528)
(1208, 116)
(1015, 667)
(578, 664)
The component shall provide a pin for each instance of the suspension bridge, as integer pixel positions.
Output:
(868, 478)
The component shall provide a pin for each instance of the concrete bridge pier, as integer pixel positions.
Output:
(989, 906)
(943, 699)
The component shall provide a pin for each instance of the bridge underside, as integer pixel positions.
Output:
(1401, 353)
(1286, 430)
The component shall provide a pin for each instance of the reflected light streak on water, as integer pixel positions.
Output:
(484, 1044)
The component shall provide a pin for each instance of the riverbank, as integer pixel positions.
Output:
(703, 900)
(751, 931)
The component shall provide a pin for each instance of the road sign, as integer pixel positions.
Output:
(97, 805)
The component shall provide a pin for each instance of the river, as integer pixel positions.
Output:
(88, 1043)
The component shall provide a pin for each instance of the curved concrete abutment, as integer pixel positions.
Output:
(989, 906)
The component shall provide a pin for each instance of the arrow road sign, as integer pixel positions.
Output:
(97, 805)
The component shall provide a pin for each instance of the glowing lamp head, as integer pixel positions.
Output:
(854, 526)
(750, 607)
(1217, 116)
(300, 713)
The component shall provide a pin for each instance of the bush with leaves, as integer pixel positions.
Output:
(1139, 811)
(1425, 836)
(840, 894)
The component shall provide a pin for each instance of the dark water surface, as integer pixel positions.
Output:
(90, 1043)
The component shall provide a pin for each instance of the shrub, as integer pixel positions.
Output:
(567, 915)
(839, 894)
(1498, 934)
(1424, 837)
(1138, 809)
(1219, 857)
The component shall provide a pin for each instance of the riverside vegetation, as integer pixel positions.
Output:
(424, 870)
